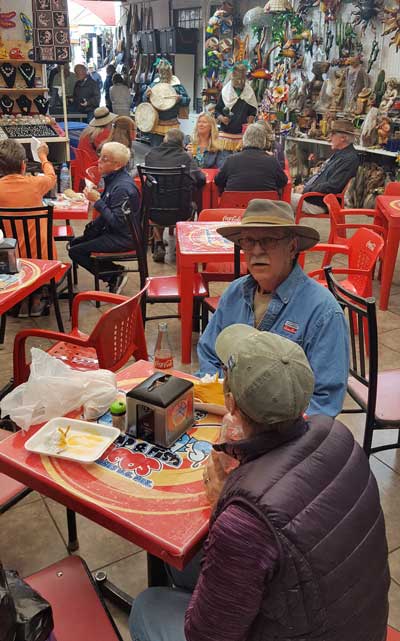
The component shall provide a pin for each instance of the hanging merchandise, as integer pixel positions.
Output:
(27, 71)
(7, 20)
(9, 73)
(27, 24)
(367, 11)
(392, 21)
(51, 37)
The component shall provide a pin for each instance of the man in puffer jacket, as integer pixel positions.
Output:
(297, 547)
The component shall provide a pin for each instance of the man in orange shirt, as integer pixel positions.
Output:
(19, 190)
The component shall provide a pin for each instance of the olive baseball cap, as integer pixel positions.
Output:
(268, 375)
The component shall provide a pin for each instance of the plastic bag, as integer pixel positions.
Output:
(54, 389)
(8, 615)
(34, 613)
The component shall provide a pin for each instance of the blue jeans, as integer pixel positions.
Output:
(158, 614)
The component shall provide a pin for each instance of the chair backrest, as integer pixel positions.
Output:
(80, 164)
(166, 194)
(361, 317)
(365, 248)
(334, 209)
(240, 199)
(32, 227)
(225, 214)
(392, 189)
(93, 174)
(119, 334)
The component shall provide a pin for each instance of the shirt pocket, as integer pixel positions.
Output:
(292, 331)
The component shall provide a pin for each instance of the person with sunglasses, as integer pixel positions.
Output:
(277, 296)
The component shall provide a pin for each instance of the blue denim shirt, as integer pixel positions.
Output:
(300, 310)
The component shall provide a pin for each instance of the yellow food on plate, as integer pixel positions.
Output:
(209, 391)
(62, 439)
(73, 195)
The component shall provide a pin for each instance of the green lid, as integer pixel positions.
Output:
(118, 407)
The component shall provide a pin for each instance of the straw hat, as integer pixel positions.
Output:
(268, 214)
(102, 117)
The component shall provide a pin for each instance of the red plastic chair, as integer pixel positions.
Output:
(392, 189)
(301, 214)
(392, 634)
(79, 611)
(363, 250)
(240, 199)
(79, 165)
(339, 226)
(117, 335)
(222, 272)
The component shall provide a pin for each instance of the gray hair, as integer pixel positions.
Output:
(254, 136)
(118, 152)
(175, 136)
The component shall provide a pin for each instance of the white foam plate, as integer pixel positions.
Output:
(86, 442)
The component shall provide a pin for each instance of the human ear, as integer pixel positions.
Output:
(230, 402)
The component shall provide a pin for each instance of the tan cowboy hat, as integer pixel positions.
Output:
(102, 117)
(343, 127)
(268, 214)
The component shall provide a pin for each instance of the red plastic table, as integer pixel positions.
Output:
(71, 211)
(196, 242)
(388, 215)
(150, 496)
(33, 274)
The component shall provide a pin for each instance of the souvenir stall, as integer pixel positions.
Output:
(311, 62)
(32, 34)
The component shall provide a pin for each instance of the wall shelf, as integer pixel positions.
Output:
(367, 150)
(23, 89)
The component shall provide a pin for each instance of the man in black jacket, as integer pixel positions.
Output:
(86, 96)
(168, 155)
(251, 169)
(109, 231)
(334, 173)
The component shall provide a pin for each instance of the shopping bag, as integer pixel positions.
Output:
(34, 617)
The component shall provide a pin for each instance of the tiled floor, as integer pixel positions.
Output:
(33, 533)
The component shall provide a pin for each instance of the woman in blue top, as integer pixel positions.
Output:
(205, 146)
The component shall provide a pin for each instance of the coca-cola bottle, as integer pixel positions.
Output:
(163, 358)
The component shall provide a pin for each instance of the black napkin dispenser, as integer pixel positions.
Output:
(160, 409)
(8, 256)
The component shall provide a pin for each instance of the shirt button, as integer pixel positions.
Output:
(285, 300)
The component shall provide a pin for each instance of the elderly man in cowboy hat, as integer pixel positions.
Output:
(334, 173)
(297, 547)
(277, 296)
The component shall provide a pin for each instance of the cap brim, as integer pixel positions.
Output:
(307, 236)
(230, 337)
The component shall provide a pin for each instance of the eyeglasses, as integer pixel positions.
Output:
(266, 242)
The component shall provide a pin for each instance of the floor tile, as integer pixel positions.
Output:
(129, 574)
(97, 545)
(394, 562)
(389, 490)
(390, 339)
(32, 497)
(29, 539)
(394, 605)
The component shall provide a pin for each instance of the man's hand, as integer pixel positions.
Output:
(189, 149)
(83, 102)
(91, 194)
(148, 92)
(178, 97)
(299, 189)
(43, 152)
(214, 477)
(224, 119)
(250, 119)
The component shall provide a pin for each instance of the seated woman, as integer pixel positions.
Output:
(95, 134)
(19, 190)
(205, 146)
(251, 169)
(123, 131)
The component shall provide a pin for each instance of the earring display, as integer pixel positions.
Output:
(8, 72)
(27, 71)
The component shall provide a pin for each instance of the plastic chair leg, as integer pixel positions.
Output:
(3, 328)
(73, 543)
(54, 297)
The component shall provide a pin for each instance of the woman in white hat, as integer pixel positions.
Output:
(95, 134)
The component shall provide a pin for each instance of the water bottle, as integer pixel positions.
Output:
(163, 358)
(65, 180)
